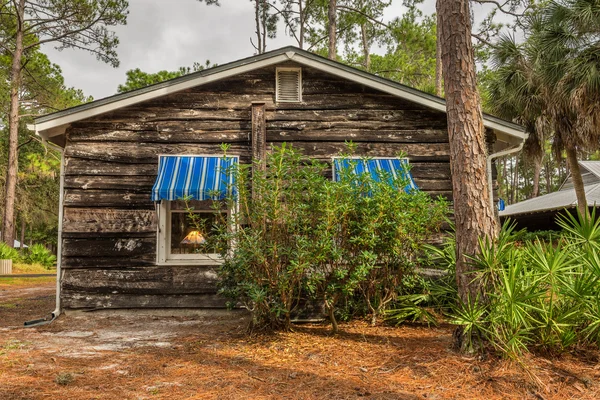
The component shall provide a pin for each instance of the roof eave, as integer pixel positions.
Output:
(55, 124)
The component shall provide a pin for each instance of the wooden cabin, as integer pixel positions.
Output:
(116, 245)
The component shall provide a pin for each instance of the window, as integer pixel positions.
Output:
(186, 235)
(288, 84)
(395, 167)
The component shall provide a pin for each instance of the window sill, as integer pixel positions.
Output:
(199, 262)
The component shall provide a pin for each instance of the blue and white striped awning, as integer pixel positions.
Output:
(395, 168)
(202, 178)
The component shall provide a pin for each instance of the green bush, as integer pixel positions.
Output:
(39, 254)
(9, 253)
(301, 235)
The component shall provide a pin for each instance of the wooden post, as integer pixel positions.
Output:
(259, 136)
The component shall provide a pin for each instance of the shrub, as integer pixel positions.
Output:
(539, 296)
(9, 253)
(302, 235)
(39, 254)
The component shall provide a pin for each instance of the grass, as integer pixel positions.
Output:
(22, 268)
(11, 281)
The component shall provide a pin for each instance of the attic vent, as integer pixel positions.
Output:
(289, 85)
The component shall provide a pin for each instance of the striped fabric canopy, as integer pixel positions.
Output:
(203, 178)
(396, 168)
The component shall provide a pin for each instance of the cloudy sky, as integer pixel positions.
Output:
(167, 34)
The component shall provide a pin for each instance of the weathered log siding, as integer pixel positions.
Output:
(109, 226)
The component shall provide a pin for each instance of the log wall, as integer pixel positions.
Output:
(109, 226)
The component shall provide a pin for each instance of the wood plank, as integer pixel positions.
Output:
(133, 183)
(108, 247)
(108, 198)
(428, 185)
(358, 135)
(358, 115)
(108, 220)
(166, 126)
(152, 114)
(414, 151)
(83, 300)
(147, 280)
(144, 152)
(430, 170)
(143, 260)
(109, 235)
(184, 135)
(341, 101)
(78, 166)
(408, 123)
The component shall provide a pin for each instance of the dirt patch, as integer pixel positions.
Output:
(134, 355)
(24, 302)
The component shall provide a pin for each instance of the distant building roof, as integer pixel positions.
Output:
(553, 201)
(590, 173)
(565, 197)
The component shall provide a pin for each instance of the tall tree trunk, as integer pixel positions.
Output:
(332, 18)
(577, 180)
(438, 58)
(537, 171)
(257, 21)
(548, 176)
(503, 184)
(302, 19)
(22, 244)
(8, 227)
(365, 45)
(473, 212)
(515, 184)
(264, 14)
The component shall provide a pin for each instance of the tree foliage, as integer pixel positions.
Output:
(34, 84)
(136, 78)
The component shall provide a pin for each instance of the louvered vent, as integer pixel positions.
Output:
(289, 85)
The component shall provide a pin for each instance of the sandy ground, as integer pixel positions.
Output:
(209, 355)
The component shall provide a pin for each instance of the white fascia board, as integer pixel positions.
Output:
(43, 127)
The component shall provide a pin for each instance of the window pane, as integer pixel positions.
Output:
(198, 238)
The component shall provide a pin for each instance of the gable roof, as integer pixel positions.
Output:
(590, 173)
(56, 123)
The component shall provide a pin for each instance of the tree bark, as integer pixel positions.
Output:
(438, 59)
(515, 183)
(8, 227)
(301, 28)
(473, 211)
(332, 18)
(537, 171)
(22, 244)
(365, 45)
(548, 173)
(264, 14)
(577, 180)
(257, 21)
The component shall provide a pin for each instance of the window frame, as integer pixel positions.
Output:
(163, 231)
(283, 69)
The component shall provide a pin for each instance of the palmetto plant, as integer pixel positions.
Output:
(539, 296)
(544, 296)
